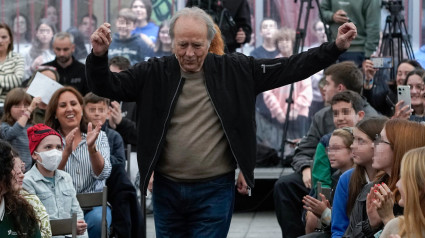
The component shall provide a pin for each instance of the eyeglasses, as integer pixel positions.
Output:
(334, 149)
(418, 87)
(379, 140)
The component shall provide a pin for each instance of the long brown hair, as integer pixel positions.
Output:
(370, 126)
(22, 214)
(403, 135)
(14, 97)
(51, 119)
(9, 31)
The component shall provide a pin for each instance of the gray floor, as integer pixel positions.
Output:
(244, 225)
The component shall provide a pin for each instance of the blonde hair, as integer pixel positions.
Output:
(413, 182)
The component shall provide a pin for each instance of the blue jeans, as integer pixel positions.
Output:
(200, 209)
(93, 219)
(357, 57)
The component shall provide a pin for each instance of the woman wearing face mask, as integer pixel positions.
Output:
(61, 202)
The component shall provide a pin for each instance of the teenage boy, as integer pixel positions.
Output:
(126, 44)
(126, 215)
(268, 49)
(289, 190)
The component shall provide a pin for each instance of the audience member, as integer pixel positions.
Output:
(18, 217)
(163, 42)
(126, 44)
(268, 48)
(319, 32)
(271, 129)
(238, 10)
(126, 215)
(289, 190)
(397, 137)
(71, 72)
(49, 14)
(143, 27)
(22, 33)
(383, 96)
(228, 108)
(80, 51)
(415, 80)
(16, 119)
(351, 182)
(340, 158)
(40, 111)
(41, 48)
(88, 25)
(86, 150)
(11, 63)
(40, 210)
(411, 188)
(53, 186)
(365, 14)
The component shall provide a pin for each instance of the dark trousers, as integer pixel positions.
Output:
(288, 193)
(127, 217)
(199, 209)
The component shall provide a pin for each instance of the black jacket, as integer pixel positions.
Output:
(232, 82)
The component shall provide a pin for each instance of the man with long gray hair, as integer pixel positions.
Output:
(196, 118)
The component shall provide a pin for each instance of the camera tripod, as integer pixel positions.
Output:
(298, 47)
(395, 39)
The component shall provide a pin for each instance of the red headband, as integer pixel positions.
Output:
(37, 133)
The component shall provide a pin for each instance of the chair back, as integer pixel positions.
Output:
(89, 200)
(64, 226)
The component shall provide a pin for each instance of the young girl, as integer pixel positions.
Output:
(411, 186)
(16, 119)
(351, 182)
(340, 157)
(397, 137)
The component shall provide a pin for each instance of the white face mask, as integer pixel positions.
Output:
(51, 159)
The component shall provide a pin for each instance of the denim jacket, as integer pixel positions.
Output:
(59, 199)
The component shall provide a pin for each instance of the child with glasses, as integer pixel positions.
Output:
(340, 158)
(17, 117)
(396, 138)
(351, 182)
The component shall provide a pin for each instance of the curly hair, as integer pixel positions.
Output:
(21, 213)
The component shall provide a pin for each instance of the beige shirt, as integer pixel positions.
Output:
(195, 147)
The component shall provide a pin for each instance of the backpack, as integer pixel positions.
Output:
(221, 17)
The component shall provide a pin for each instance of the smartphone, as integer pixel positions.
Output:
(403, 93)
(325, 191)
(382, 62)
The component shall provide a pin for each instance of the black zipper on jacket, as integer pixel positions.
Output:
(163, 132)
(264, 66)
(224, 130)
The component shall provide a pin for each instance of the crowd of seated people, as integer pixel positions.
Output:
(78, 150)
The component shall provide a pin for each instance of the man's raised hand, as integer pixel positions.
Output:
(347, 32)
(101, 39)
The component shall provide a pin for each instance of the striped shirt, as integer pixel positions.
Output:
(80, 168)
(11, 72)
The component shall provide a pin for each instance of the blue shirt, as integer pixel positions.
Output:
(340, 220)
(59, 198)
(80, 169)
(150, 30)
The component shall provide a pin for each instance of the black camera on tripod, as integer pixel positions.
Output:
(394, 6)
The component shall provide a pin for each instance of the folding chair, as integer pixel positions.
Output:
(64, 226)
(89, 200)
